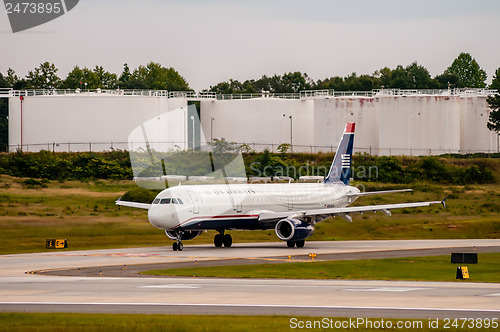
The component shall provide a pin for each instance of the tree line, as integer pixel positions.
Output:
(463, 72)
(152, 76)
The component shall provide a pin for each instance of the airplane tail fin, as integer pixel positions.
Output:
(340, 171)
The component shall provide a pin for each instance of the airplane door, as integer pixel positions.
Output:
(196, 202)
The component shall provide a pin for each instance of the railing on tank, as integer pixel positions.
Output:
(263, 94)
(304, 94)
(62, 92)
(192, 94)
(434, 92)
(5, 92)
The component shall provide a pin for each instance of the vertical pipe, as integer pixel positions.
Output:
(22, 99)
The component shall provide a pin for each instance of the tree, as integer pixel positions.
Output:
(43, 77)
(124, 80)
(104, 79)
(447, 80)
(11, 78)
(126, 74)
(384, 76)
(494, 120)
(75, 79)
(155, 76)
(495, 84)
(97, 78)
(469, 74)
(232, 86)
(399, 78)
(3, 82)
(294, 82)
(335, 83)
(419, 77)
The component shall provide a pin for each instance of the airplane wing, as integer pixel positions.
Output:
(133, 204)
(344, 211)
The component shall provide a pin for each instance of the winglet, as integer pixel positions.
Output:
(444, 202)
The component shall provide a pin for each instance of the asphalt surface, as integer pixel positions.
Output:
(107, 281)
(135, 270)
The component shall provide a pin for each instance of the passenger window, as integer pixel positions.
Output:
(179, 200)
(156, 201)
(165, 201)
(174, 201)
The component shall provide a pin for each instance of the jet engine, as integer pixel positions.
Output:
(290, 229)
(187, 235)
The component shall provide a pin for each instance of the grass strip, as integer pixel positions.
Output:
(206, 323)
(432, 268)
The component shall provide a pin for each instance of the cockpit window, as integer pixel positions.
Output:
(179, 200)
(174, 200)
(165, 201)
(156, 201)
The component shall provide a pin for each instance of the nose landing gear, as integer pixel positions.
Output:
(178, 246)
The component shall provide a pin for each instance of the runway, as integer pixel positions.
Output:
(328, 298)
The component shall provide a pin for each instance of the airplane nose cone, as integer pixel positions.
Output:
(163, 217)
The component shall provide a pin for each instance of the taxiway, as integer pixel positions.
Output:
(23, 292)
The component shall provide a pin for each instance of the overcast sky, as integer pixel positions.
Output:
(212, 41)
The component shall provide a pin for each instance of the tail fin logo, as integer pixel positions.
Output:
(27, 14)
(346, 160)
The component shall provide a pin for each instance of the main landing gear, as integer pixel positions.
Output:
(221, 239)
(299, 244)
(178, 246)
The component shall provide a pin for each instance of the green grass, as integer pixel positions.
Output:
(434, 268)
(84, 213)
(177, 323)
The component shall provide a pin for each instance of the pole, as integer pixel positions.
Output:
(291, 133)
(192, 118)
(211, 133)
(21, 98)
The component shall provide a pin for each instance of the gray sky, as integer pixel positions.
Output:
(211, 41)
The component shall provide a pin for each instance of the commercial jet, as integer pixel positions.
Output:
(292, 209)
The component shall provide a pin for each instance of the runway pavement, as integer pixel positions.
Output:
(329, 298)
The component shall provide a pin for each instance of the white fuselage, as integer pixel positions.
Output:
(237, 206)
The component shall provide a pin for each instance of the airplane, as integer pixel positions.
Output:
(292, 209)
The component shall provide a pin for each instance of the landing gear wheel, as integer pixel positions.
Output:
(218, 240)
(300, 244)
(290, 244)
(227, 240)
(174, 246)
(180, 246)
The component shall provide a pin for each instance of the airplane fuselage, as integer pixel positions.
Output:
(237, 206)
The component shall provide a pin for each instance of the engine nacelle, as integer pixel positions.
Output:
(290, 229)
(187, 235)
